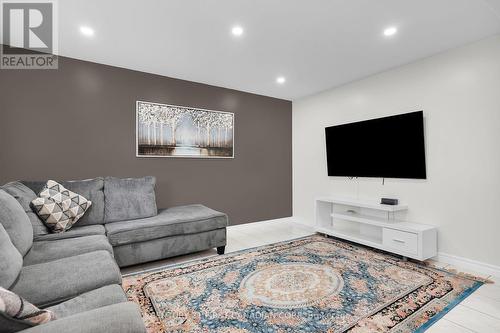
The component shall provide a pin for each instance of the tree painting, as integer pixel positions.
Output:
(177, 131)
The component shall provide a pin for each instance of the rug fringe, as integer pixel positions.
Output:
(461, 274)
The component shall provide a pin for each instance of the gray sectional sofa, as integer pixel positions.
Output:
(76, 273)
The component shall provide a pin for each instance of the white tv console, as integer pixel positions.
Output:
(373, 224)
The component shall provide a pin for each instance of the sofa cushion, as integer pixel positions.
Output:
(94, 299)
(92, 189)
(174, 221)
(129, 198)
(45, 251)
(117, 318)
(76, 231)
(24, 195)
(16, 222)
(59, 280)
(15, 307)
(11, 260)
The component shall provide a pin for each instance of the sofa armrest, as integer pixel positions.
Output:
(116, 318)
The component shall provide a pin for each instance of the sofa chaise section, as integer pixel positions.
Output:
(157, 249)
(174, 231)
(190, 219)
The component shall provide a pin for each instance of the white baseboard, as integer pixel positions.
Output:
(469, 264)
(267, 222)
(290, 220)
(299, 224)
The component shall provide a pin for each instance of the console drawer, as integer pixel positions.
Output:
(400, 240)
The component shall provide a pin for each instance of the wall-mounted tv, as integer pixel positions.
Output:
(389, 147)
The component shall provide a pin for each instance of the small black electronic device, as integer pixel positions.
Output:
(388, 201)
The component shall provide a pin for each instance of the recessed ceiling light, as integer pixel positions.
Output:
(280, 80)
(237, 30)
(390, 31)
(87, 31)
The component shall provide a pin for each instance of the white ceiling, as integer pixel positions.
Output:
(315, 44)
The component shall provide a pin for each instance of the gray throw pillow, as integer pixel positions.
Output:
(129, 198)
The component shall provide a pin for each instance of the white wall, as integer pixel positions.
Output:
(459, 92)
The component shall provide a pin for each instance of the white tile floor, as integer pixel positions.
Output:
(479, 312)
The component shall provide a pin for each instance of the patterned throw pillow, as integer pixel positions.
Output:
(58, 207)
(18, 308)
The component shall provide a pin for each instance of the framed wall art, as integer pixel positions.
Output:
(164, 130)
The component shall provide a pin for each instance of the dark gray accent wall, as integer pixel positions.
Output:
(79, 122)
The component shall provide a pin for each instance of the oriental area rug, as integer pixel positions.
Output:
(312, 284)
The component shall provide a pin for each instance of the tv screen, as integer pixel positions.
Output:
(389, 147)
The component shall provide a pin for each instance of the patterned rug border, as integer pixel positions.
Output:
(449, 307)
(478, 281)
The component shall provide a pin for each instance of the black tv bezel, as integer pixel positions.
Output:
(367, 175)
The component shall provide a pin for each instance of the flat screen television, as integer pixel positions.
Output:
(389, 147)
